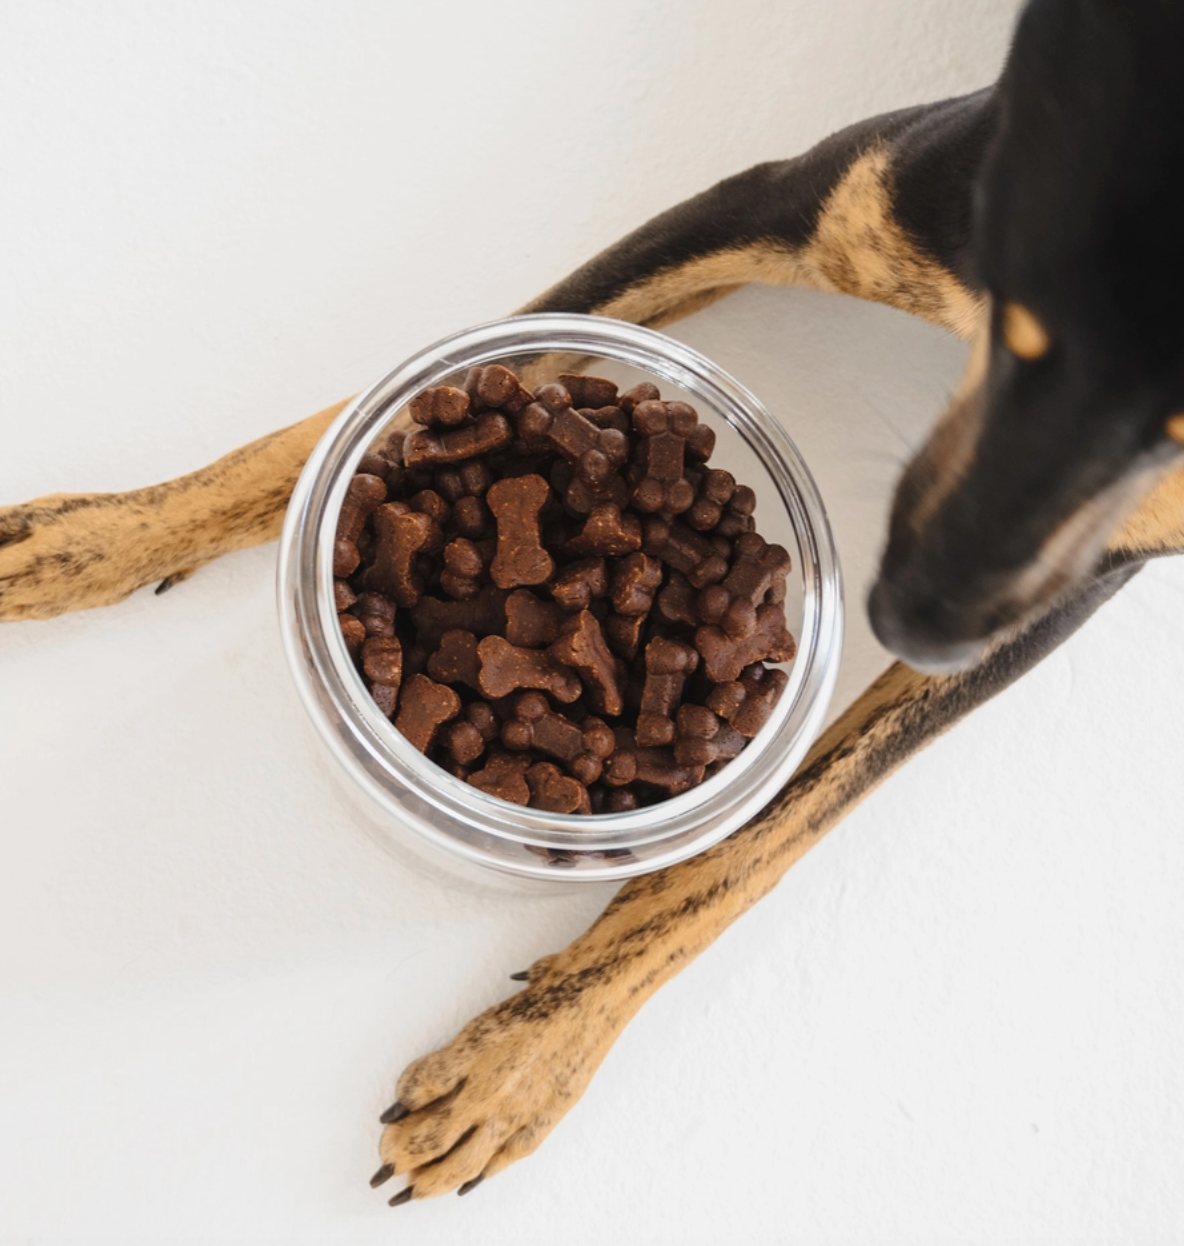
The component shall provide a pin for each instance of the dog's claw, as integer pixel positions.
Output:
(471, 1185)
(383, 1175)
(523, 975)
(403, 1196)
(395, 1112)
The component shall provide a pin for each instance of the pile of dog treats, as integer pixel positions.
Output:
(555, 598)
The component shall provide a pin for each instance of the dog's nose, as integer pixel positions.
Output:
(925, 629)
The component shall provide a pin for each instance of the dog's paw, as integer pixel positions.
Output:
(496, 1091)
(73, 551)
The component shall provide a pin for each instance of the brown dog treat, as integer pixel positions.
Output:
(748, 702)
(352, 632)
(663, 485)
(579, 584)
(732, 604)
(440, 406)
(343, 595)
(377, 614)
(588, 391)
(495, 386)
(675, 604)
(401, 535)
(667, 665)
(622, 632)
(456, 660)
(632, 764)
(365, 492)
(482, 615)
(429, 502)
(595, 453)
(607, 417)
(592, 482)
(489, 433)
(724, 658)
(520, 559)
(530, 622)
(506, 668)
(636, 578)
(701, 738)
(346, 558)
(463, 569)
(464, 742)
(581, 645)
(423, 708)
(737, 517)
(471, 518)
(382, 660)
(645, 392)
(714, 492)
(481, 715)
(606, 533)
(415, 659)
(622, 800)
(685, 551)
(582, 747)
(552, 790)
(385, 696)
(471, 478)
(504, 776)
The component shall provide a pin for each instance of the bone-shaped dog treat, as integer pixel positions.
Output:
(590, 482)
(606, 533)
(482, 615)
(552, 421)
(382, 660)
(644, 392)
(456, 660)
(441, 405)
(463, 568)
(505, 668)
(622, 632)
(471, 478)
(713, 493)
(724, 658)
(343, 595)
(423, 708)
(530, 622)
(737, 517)
(467, 738)
(364, 494)
(582, 747)
(385, 696)
(581, 644)
(701, 738)
(748, 702)
(552, 790)
(429, 502)
(667, 665)
(663, 485)
(353, 632)
(520, 559)
(401, 534)
(471, 518)
(489, 433)
(636, 578)
(495, 386)
(588, 391)
(504, 776)
(632, 764)
(732, 603)
(580, 583)
(676, 602)
(377, 614)
(606, 417)
(687, 552)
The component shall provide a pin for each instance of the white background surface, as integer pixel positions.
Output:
(960, 1019)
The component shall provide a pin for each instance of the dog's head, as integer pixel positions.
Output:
(1073, 404)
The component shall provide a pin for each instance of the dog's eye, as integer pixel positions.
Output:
(1175, 428)
(1023, 334)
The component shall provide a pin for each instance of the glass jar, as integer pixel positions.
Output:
(412, 802)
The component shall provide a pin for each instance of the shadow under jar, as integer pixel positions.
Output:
(412, 803)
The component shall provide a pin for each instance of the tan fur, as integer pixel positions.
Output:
(1023, 334)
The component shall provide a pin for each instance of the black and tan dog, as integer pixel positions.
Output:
(1039, 218)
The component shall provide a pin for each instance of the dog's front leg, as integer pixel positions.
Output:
(494, 1093)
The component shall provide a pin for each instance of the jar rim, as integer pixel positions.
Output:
(456, 816)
